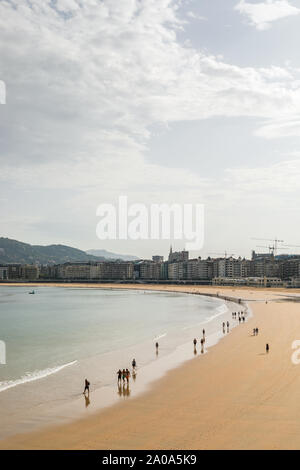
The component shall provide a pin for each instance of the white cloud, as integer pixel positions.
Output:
(282, 177)
(87, 80)
(195, 16)
(262, 14)
(90, 82)
(280, 128)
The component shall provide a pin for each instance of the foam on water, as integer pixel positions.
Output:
(31, 376)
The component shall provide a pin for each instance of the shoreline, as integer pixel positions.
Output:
(149, 372)
(120, 426)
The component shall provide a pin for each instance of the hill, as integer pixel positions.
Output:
(111, 256)
(13, 251)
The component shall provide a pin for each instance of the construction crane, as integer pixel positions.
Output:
(270, 248)
(274, 240)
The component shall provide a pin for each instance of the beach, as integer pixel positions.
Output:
(234, 397)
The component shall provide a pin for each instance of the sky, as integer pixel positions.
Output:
(170, 101)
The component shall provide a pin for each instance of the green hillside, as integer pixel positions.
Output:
(13, 251)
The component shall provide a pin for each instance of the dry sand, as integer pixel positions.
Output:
(234, 397)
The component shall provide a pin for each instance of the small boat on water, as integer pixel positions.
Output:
(31, 292)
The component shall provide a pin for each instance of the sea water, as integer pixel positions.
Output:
(59, 336)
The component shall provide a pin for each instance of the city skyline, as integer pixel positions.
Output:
(171, 101)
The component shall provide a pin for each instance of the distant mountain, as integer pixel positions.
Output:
(110, 255)
(13, 251)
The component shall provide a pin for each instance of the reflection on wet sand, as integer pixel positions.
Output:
(124, 390)
(87, 400)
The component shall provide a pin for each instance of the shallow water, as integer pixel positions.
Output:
(59, 336)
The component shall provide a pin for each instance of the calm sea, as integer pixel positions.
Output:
(58, 336)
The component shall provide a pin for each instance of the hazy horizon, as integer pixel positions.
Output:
(171, 101)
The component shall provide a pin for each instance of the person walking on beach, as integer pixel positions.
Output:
(267, 348)
(256, 331)
(195, 342)
(156, 345)
(202, 343)
(119, 374)
(124, 375)
(133, 364)
(227, 325)
(127, 375)
(86, 387)
(203, 332)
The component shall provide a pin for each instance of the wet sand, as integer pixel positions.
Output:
(234, 397)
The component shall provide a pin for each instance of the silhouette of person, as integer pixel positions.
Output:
(86, 387)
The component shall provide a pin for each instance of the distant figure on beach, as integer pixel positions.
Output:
(223, 324)
(119, 374)
(133, 364)
(256, 331)
(86, 387)
(195, 342)
(267, 348)
(202, 343)
(239, 319)
(243, 318)
(127, 375)
(124, 375)
(203, 332)
(156, 345)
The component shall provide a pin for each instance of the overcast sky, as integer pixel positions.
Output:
(160, 100)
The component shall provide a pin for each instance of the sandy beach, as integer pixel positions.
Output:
(234, 397)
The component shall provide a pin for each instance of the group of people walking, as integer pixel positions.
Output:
(124, 375)
(202, 341)
(239, 315)
(224, 326)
